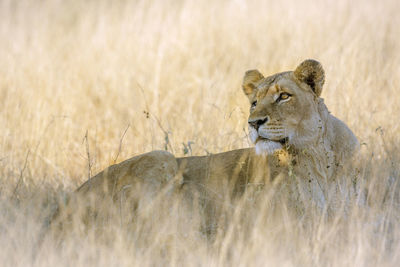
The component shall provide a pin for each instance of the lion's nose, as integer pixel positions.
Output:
(256, 123)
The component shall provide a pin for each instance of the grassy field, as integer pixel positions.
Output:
(84, 84)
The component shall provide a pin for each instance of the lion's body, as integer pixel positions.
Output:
(298, 142)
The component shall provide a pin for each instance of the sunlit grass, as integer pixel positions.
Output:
(84, 84)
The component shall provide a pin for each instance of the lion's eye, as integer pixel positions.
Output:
(283, 96)
(254, 104)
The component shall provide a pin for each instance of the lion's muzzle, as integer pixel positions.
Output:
(257, 122)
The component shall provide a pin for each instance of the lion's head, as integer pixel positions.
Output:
(285, 107)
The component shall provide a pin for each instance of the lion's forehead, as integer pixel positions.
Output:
(277, 83)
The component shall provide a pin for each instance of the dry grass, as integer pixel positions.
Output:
(84, 84)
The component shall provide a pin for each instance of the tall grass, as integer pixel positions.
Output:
(84, 84)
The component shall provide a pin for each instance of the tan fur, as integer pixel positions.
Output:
(302, 143)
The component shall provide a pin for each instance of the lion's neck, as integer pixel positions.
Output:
(316, 155)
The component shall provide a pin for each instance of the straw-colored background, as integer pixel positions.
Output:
(113, 79)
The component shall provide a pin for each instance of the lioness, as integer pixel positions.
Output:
(295, 137)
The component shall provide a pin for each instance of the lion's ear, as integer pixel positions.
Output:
(311, 72)
(251, 77)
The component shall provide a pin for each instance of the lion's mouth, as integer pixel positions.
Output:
(281, 141)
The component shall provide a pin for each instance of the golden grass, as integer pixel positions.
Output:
(115, 79)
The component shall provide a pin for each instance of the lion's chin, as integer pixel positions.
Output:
(267, 147)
